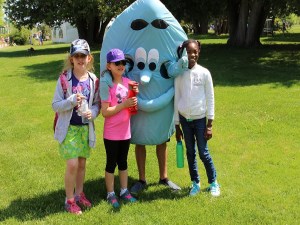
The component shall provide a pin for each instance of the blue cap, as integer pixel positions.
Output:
(115, 55)
(80, 46)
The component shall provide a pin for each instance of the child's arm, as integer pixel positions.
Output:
(60, 103)
(210, 103)
(108, 111)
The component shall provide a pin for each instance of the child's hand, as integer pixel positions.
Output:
(79, 98)
(178, 133)
(87, 114)
(130, 102)
(135, 88)
(208, 133)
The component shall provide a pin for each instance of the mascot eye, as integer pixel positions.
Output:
(140, 58)
(160, 24)
(138, 24)
(141, 65)
(153, 57)
(152, 66)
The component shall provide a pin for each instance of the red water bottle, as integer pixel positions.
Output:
(132, 93)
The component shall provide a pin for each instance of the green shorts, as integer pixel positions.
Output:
(76, 143)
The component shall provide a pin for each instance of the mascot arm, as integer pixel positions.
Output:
(105, 84)
(157, 103)
(176, 68)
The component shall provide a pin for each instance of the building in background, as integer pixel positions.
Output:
(64, 34)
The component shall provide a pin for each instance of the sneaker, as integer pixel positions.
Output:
(82, 201)
(195, 188)
(170, 184)
(72, 207)
(113, 201)
(127, 197)
(138, 187)
(214, 189)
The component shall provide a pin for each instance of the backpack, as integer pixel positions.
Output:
(64, 85)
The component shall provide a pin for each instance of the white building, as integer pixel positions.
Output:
(66, 33)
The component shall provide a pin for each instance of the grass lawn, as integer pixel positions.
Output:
(255, 145)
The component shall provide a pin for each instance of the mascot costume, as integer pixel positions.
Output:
(149, 36)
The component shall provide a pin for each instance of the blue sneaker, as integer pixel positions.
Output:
(138, 187)
(214, 189)
(127, 197)
(195, 188)
(113, 201)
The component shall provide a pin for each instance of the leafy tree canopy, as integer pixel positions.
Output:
(85, 15)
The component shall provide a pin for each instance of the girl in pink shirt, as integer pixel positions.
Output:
(116, 132)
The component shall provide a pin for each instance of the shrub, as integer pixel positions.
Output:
(20, 36)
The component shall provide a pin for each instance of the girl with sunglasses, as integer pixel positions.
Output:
(117, 132)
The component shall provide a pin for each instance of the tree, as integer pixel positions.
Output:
(1, 13)
(247, 18)
(246, 21)
(89, 16)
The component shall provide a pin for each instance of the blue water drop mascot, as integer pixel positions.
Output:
(149, 36)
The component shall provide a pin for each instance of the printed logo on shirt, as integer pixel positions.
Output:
(197, 80)
(121, 93)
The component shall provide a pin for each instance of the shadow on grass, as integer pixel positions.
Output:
(287, 37)
(278, 64)
(38, 51)
(46, 204)
(41, 206)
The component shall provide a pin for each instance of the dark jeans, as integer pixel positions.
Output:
(116, 154)
(193, 132)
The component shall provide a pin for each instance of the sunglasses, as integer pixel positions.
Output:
(122, 62)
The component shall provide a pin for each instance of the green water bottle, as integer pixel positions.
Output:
(179, 155)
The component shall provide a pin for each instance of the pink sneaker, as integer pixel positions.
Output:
(72, 207)
(82, 200)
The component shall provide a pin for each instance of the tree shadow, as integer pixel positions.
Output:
(278, 64)
(230, 66)
(287, 37)
(50, 71)
(59, 48)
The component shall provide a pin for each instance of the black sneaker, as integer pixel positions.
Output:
(138, 187)
(170, 184)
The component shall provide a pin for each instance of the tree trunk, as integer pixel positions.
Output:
(257, 19)
(238, 37)
(196, 27)
(102, 30)
(82, 29)
(204, 26)
(246, 21)
(233, 7)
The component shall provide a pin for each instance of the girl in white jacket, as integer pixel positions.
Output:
(194, 112)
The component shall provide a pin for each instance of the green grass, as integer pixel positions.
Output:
(255, 145)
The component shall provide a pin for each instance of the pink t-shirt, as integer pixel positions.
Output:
(117, 127)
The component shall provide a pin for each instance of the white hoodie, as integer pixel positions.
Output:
(194, 94)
